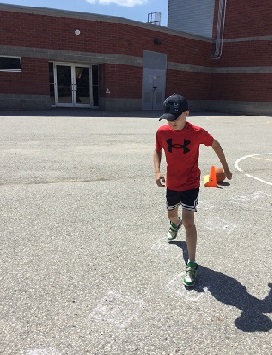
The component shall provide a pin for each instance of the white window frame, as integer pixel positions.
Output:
(11, 70)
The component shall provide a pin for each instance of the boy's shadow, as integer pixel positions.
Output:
(231, 292)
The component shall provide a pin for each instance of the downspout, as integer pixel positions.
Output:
(220, 29)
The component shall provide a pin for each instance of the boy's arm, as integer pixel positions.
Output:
(160, 180)
(221, 156)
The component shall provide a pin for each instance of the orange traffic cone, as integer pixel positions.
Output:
(211, 180)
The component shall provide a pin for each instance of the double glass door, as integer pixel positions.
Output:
(73, 85)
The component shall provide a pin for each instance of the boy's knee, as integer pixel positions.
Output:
(188, 223)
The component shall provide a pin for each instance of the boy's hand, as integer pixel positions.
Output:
(228, 174)
(160, 180)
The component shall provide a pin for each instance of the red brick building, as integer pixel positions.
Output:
(52, 58)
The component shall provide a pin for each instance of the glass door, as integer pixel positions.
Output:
(72, 85)
(64, 95)
(82, 86)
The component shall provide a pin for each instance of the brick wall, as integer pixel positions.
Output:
(33, 79)
(247, 53)
(194, 86)
(248, 18)
(35, 31)
(57, 33)
(242, 87)
(123, 81)
(243, 73)
(245, 18)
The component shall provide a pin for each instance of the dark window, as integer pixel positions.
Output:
(10, 64)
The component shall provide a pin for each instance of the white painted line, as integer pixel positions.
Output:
(249, 175)
(257, 158)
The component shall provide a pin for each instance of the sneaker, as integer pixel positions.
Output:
(191, 271)
(173, 230)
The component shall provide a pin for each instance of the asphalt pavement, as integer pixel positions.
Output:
(85, 263)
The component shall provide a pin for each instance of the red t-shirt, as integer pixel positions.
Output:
(181, 151)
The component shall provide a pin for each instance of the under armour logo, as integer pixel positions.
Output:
(183, 146)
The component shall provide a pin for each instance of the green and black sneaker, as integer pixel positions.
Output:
(191, 271)
(173, 230)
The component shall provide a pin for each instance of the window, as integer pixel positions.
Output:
(10, 64)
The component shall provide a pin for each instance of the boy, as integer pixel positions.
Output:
(180, 141)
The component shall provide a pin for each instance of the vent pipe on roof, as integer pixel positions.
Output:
(220, 29)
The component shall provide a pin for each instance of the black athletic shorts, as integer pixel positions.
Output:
(186, 199)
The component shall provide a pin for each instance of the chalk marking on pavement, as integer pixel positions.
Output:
(205, 205)
(176, 288)
(246, 200)
(249, 175)
(117, 309)
(219, 225)
(162, 247)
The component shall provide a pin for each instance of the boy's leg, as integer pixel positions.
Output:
(191, 232)
(175, 223)
(173, 202)
(191, 240)
(173, 216)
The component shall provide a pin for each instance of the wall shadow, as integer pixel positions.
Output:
(81, 112)
(231, 292)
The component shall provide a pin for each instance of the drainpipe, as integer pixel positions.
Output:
(220, 29)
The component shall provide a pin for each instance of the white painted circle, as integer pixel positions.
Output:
(249, 175)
